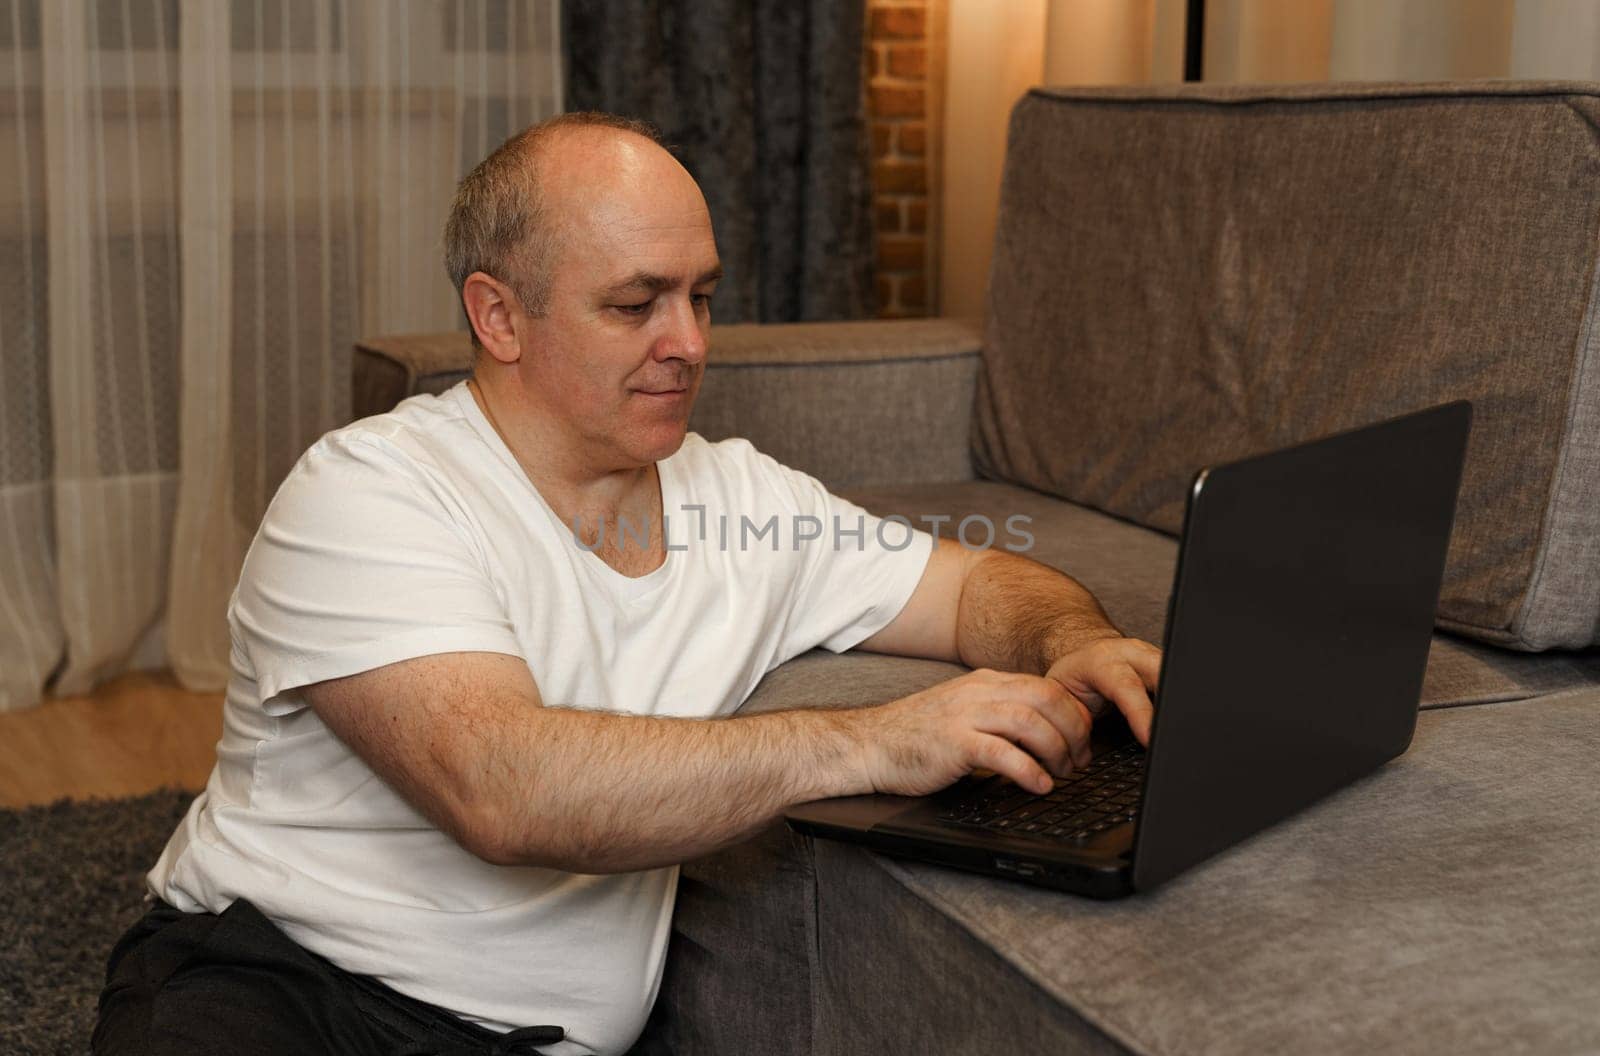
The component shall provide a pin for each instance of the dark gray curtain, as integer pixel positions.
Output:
(762, 101)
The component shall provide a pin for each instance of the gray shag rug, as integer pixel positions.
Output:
(72, 875)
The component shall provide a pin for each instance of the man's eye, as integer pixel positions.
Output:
(632, 309)
(700, 298)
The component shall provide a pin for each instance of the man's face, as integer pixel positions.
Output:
(618, 357)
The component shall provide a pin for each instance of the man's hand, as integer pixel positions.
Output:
(1120, 671)
(990, 609)
(989, 720)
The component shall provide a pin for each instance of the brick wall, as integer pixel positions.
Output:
(898, 107)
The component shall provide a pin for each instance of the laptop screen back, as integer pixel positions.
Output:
(1298, 630)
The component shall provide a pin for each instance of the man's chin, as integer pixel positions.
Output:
(656, 426)
(660, 441)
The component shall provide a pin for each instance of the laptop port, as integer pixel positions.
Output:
(1011, 865)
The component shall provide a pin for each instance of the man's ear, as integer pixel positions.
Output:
(489, 305)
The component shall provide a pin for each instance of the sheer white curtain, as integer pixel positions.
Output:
(204, 203)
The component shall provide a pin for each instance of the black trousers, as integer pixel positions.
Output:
(234, 983)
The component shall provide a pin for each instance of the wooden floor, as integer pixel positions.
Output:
(134, 734)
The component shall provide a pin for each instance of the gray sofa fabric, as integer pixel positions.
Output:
(740, 975)
(1189, 274)
(942, 992)
(389, 369)
(853, 404)
(1447, 903)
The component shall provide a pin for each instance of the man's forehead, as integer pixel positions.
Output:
(645, 280)
(622, 241)
(633, 215)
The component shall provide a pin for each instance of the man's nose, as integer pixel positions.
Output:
(686, 336)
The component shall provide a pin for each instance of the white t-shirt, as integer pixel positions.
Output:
(416, 532)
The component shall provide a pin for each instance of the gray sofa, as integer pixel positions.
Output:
(1183, 276)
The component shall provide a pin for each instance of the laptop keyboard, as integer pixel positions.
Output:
(1082, 805)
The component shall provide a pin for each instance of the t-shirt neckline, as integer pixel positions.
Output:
(631, 588)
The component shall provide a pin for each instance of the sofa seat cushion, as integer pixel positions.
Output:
(1187, 275)
(1129, 568)
(1444, 904)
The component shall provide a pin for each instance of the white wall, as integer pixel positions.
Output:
(1556, 40)
(996, 52)
(1420, 40)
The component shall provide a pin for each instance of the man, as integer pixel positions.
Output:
(477, 640)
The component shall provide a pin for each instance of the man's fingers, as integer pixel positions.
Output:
(1147, 661)
(1124, 672)
(1067, 714)
(1127, 690)
(1081, 720)
(1020, 722)
(1093, 703)
(1006, 759)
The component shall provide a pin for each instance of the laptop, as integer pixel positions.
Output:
(1297, 636)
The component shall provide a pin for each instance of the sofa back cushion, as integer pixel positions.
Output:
(1193, 274)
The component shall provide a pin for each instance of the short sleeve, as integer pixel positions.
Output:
(855, 576)
(358, 564)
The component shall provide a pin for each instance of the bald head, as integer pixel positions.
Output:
(514, 211)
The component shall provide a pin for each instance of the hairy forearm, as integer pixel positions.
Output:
(596, 792)
(1019, 615)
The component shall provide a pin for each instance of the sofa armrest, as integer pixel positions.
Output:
(854, 404)
(387, 370)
